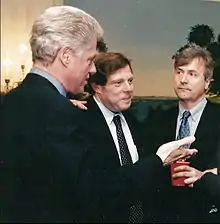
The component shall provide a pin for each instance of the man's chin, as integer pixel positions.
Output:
(125, 107)
(183, 96)
(80, 90)
(184, 99)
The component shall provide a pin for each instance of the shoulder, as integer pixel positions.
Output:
(212, 107)
(213, 103)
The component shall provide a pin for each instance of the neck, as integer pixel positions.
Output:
(188, 105)
(51, 69)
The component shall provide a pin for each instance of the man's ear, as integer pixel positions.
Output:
(208, 83)
(65, 56)
(96, 88)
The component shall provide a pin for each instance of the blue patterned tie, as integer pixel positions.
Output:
(136, 211)
(184, 129)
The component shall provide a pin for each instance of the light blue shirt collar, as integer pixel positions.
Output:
(195, 111)
(50, 78)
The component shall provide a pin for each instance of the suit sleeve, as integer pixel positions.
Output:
(210, 184)
(101, 190)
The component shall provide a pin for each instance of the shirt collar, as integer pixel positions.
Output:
(50, 78)
(108, 114)
(195, 110)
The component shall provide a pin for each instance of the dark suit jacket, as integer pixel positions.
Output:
(210, 184)
(40, 153)
(183, 204)
(105, 159)
(49, 172)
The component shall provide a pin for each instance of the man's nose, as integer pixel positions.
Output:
(128, 86)
(92, 69)
(184, 78)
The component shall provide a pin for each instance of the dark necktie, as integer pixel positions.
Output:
(136, 212)
(184, 129)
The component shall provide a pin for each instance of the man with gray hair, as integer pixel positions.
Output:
(41, 155)
(43, 158)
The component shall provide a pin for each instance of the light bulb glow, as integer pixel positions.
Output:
(22, 48)
(7, 62)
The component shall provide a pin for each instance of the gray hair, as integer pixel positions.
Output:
(61, 26)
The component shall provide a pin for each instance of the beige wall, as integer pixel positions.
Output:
(17, 17)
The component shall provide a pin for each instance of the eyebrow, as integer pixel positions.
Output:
(191, 70)
(116, 80)
(120, 79)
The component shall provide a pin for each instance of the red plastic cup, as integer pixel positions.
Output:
(179, 182)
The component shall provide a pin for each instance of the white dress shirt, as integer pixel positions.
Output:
(109, 115)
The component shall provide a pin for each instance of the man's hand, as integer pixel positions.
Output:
(191, 174)
(179, 154)
(79, 103)
(172, 151)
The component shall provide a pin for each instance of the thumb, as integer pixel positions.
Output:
(185, 141)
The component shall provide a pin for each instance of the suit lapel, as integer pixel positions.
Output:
(170, 122)
(205, 125)
(101, 130)
(206, 137)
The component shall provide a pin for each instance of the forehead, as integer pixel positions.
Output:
(125, 73)
(196, 64)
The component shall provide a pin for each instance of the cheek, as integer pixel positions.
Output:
(175, 81)
(199, 86)
(123, 105)
(197, 91)
(114, 98)
(88, 66)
